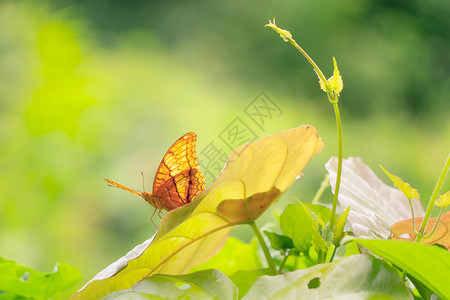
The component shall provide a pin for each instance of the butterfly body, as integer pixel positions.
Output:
(153, 201)
(178, 180)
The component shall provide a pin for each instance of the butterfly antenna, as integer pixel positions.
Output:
(143, 185)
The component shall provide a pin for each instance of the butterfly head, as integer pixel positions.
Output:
(152, 200)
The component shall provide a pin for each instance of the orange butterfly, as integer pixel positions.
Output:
(178, 179)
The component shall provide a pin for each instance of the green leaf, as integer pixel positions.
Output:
(338, 231)
(296, 260)
(428, 264)
(254, 177)
(424, 292)
(235, 255)
(245, 279)
(355, 277)
(206, 284)
(352, 249)
(295, 224)
(320, 212)
(319, 242)
(16, 280)
(405, 187)
(278, 241)
(316, 215)
(443, 200)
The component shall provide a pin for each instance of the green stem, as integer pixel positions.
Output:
(339, 168)
(435, 225)
(316, 68)
(332, 97)
(283, 262)
(260, 238)
(433, 198)
(330, 253)
(333, 100)
(323, 186)
(321, 256)
(413, 218)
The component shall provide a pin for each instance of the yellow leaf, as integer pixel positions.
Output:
(443, 200)
(323, 84)
(254, 177)
(285, 35)
(405, 187)
(335, 82)
(403, 230)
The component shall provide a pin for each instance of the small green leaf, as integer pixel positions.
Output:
(338, 231)
(323, 83)
(335, 81)
(352, 249)
(405, 187)
(245, 279)
(284, 34)
(424, 292)
(235, 255)
(207, 284)
(443, 200)
(278, 241)
(355, 277)
(299, 260)
(316, 216)
(320, 212)
(428, 264)
(319, 242)
(330, 253)
(295, 224)
(16, 280)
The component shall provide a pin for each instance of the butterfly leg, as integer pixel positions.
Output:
(159, 214)
(151, 218)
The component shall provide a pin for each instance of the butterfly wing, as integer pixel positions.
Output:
(178, 179)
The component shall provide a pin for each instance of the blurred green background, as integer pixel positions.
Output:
(92, 89)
